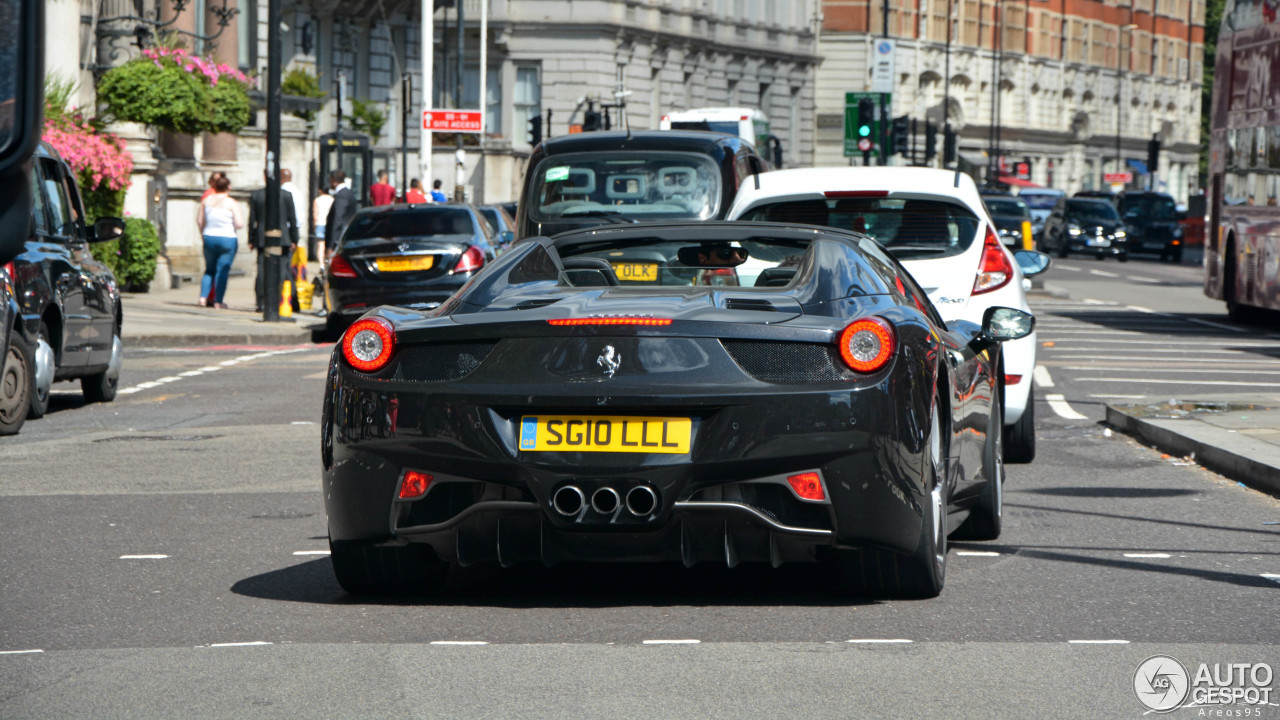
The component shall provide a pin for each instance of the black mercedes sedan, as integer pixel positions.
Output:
(1085, 225)
(549, 413)
(413, 256)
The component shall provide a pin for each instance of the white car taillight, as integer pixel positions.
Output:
(994, 270)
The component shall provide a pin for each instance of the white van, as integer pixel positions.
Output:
(747, 123)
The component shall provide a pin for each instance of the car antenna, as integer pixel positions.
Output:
(957, 174)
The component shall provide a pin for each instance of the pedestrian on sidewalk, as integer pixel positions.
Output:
(299, 202)
(382, 193)
(436, 194)
(415, 196)
(259, 241)
(342, 210)
(320, 212)
(218, 218)
(213, 177)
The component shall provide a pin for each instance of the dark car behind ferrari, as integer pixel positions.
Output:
(1152, 222)
(1012, 219)
(548, 413)
(599, 178)
(405, 255)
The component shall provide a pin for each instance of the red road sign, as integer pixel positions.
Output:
(466, 121)
(1118, 178)
(864, 144)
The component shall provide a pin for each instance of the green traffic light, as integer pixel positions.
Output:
(864, 130)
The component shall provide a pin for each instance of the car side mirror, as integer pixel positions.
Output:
(1002, 323)
(106, 228)
(1032, 262)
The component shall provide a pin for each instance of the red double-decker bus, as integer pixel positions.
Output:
(1242, 250)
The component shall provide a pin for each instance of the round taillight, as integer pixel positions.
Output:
(368, 344)
(866, 345)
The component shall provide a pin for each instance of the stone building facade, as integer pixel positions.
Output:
(1064, 78)
(542, 55)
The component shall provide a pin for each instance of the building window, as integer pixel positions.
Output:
(247, 34)
(733, 92)
(793, 127)
(527, 99)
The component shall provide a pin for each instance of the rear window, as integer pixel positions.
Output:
(640, 185)
(727, 127)
(1007, 206)
(1147, 207)
(1039, 201)
(641, 262)
(418, 223)
(907, 228)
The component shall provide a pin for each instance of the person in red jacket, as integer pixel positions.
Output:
(415, 195)
(381, 192)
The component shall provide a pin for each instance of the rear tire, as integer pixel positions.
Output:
(101, 387)
(986, 517)
(1020, 437)
(881, 573)
(16, 384)
(366, 569)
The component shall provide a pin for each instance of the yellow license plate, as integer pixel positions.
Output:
(636, 272)
(605, 433)
(405, 263)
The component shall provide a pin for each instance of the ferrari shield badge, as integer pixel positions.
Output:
(610, 360)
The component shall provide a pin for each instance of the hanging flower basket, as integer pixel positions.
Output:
(171, 89)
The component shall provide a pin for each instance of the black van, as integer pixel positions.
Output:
(1151, 219)
(586, 179)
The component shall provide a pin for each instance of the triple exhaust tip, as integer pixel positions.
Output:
(569, 500)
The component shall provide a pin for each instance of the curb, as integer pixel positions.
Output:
(168, 341)
(1209, 443)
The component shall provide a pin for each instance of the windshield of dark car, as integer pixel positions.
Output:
(728, 127)
(417, 223)
(656, 262)
(1007, 206)
(1148, 207)
(1094, 211)
(907, 228)
(1037, 201)
(640, 185)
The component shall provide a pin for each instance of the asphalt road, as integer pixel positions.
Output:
(163, 555)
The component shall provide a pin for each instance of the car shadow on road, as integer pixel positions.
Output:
(576, 585)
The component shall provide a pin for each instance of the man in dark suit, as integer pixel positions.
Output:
(259, 241)
(342, 210)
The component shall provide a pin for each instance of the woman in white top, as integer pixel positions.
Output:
(320, 212)
(218, 218)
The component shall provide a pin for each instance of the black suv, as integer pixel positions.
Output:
(1087, 225)
(66, 313)
(1151, 219)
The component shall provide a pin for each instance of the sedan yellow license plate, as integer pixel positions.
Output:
(405, 263)
(605, 433)
(636, 272)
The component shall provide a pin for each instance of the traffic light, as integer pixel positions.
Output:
(535, 129)
(930, 141)
(1153, 154)
(901, 136)
(866, 116)
(948, 146)
(591, 120)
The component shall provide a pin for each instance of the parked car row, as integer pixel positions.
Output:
(61, 316)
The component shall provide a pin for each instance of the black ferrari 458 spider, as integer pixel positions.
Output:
(753, 393)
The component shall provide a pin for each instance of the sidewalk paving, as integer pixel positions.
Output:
(171, 318)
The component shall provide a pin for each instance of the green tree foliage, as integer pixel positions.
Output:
(300, 83)
(132, 256)
(171, 89)
(367, 119)
(1212, 22)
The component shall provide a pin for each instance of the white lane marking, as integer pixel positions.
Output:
(206, 369)
(1143, 278)
(1273, 577)
(1068, 267)
(1217, 383)
(240, 644)
(1147, 555)
(1218, 325)
(311, 552)
(458, 642)
(1042, 377)
(1210, 323)
(977, 553)
(1105, 396)
(143, 557)
(1180, 361)
(1098, 642)
(1166, 351)
(1196, 371)
(19, 652)
(1091, 301)
(302, 422)
(879, 641)
(1059, 405)
(1139, 308)
(671, 642)
(1104, 273)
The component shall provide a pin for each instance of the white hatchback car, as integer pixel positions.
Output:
(934, 222)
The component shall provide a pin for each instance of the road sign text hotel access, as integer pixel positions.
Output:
(464, 121)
